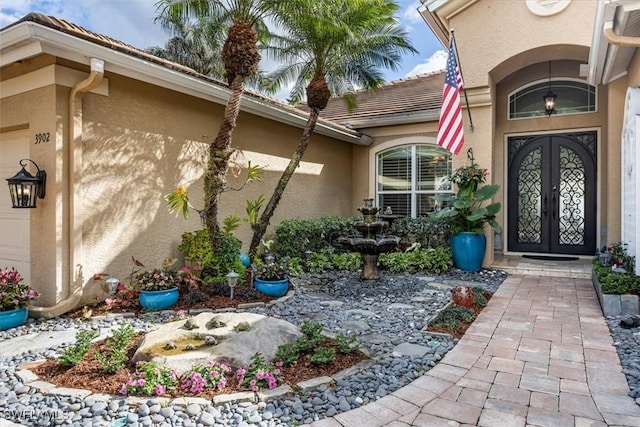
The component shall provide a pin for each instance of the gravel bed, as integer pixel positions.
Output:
(387, 315)
(627, 343)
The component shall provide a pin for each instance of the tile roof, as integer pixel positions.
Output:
(110, 43)
(414, 94)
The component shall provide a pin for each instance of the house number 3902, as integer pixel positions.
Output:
(42, 137)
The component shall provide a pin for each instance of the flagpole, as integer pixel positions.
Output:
(464, 86)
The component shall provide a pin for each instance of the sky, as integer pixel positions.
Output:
(131, 21)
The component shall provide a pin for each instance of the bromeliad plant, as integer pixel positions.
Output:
(467, 210)
(14, 293)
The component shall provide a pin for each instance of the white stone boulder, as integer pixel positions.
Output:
(239, 336)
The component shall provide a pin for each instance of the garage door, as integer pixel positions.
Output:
(14, 223)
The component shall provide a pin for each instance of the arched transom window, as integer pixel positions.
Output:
(574, 96)
(409, 176)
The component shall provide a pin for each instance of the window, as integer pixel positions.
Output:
(573, 97)
(409, 176)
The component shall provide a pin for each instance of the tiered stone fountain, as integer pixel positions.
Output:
(374, 241)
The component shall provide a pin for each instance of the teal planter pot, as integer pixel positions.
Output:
(272, 288)
(244, 259)
(158, 300)
(468, 249)
(13, 318)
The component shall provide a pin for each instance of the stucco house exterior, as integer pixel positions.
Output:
(116, 129)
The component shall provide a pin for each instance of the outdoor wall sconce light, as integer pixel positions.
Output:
(549, 98)
(24, 188)
(232, 281)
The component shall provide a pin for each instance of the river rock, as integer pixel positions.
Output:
(234, 347)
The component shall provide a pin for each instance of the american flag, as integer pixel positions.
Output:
(450, 135)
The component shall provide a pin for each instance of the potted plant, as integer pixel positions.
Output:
(15, 295)
(271, 279)
(468, 213)
(158, 288)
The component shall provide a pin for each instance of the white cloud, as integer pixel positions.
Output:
(129, 21)
(437, 61)
(410, 15)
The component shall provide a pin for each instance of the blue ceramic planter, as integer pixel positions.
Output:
(244, 259)
(468, 249)
(272, 288)
(158, 300)
(12, 318)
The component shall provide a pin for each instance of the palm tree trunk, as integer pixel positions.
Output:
(260, 227)
(215, 178)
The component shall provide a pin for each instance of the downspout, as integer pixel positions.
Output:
(72, 297)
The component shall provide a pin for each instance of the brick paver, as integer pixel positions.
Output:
(540, 354)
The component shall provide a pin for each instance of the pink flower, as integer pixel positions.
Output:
(160, 389)
(123, 390)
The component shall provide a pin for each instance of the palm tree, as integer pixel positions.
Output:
(331, 47)
(243, 20)
(194, 44)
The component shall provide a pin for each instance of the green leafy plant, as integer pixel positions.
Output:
(288, 353)
(253, 208)
(272, 271)
(452, 317)
(259, 374)
(195, 246)
(467, 211)
(347, 343)
(114, 357)
(350, 261)
(322, 356)
(479, 298)
(423, 230)
(612, 282)
(150, 379)
(74, 353)
(432, 261)
(14, 293)
(296, 236)
(312, 335)
(318, 262)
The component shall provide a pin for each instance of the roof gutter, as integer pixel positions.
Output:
(58, 43)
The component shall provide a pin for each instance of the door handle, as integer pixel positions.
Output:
(544, 206)
(553, 202)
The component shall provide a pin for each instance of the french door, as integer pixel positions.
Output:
(552, 193)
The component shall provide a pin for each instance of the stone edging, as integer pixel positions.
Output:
(615, 304)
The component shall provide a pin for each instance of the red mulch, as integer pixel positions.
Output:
(212, 297)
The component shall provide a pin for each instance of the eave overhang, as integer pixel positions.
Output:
(28, 39)
(616, 37)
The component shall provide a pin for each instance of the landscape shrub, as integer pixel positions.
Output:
(196, 248)
(296, 236)
(115, 357)
(74, 353)
(430, 261)
(427, 232)
(612, 282)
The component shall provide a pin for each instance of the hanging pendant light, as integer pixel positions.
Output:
(549, 98)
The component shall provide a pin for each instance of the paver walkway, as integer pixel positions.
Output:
(540, 354)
